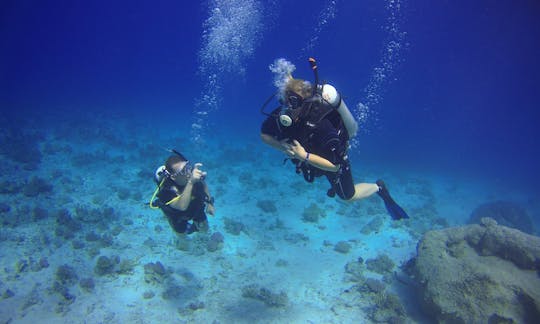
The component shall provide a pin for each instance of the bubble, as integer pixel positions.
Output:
(328, 14)
(282, 69)
(383, 73)
(230, 35)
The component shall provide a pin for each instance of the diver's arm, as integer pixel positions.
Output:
(320, 162)
(209, 200)
(182, 203)
(206, 190)
(297, 151)
(185, 198)
(270, 140)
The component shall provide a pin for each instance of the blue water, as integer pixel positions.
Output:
(445, 90)
(460, 97)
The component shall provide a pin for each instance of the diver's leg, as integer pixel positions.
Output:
(201, 222)
(178, 224)
(364, 190)
(343, 185)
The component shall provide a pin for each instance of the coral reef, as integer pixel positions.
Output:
(312, 213)
(87, 284)
(172, 291)
(372, 285)
(479, 274)
(66, 225)
(215, 242)
(26, 265)
(126, 266)
(105, 265)
(92, 237)
(505, 213)
(65, 278)
(66, 275)
(265, 295)
(155, 273)
(387, 309)
(354, 271)
(382, 306)
(267, 206)
(382, 264)
(342, 247)
(296, 238)
(233, 227)
(95, 215)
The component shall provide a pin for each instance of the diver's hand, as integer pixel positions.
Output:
(296, 151)
(197, 174)
(285, 146)
(210, 209)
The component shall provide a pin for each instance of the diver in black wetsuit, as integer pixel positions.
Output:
(312, 126)
(183, 195)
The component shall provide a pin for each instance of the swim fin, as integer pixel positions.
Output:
(395, 211)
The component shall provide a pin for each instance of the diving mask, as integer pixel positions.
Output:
(293, 99)
(184, 171)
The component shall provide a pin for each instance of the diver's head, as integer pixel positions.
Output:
(298, 87)
(293, 96)
(178, 169)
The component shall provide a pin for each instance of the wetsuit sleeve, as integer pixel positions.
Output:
(270, 127)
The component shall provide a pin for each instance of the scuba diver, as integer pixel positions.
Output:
(182, 194)
(312, 126)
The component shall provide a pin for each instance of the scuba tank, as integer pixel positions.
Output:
(332, 97)
(160, 174)
(330, 94)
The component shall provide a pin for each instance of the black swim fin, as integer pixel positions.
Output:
(395, 211)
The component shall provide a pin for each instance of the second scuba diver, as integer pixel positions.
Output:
(312, 126)
(183, 195)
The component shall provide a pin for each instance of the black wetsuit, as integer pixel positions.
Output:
(323, 139)
(177, 218)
